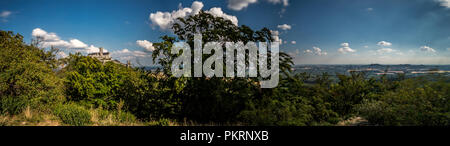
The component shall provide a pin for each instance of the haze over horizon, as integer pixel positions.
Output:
(312, 31)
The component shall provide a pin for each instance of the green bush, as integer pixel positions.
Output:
(374, 111)
(73, 114)
(89, 80)
(11, 105)
(414, 103)
(163, 122)
(26, 75)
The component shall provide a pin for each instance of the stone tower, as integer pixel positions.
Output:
(101, 52)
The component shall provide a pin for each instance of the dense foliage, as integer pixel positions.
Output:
(26, 75)
(80, 90)
(73, 114)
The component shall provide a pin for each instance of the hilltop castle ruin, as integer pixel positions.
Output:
(105, 57)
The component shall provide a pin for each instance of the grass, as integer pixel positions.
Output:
(101, 117)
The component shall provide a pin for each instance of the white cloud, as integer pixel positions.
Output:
(75, 43)
(284, 27)
(369, 9)
(123, 51)
(238, 5)
(5, 14)
(127, 52)
(384, 44)
(52, 39)
(127, 55)
(316, 51)
(146, 44)
(139, 53)
(293, 42)
(92, 49)
(319, 51)
(284, 2)
(346, 49)
(46, 36)
(445, 3)
(427, 49)
(216, 11)
(385, 50)
(165, 20)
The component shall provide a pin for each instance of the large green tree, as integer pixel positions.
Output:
(214, 99)
(26, 75)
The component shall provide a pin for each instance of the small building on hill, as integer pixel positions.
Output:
(103, 56)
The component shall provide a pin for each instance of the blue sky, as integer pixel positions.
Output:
(324, 31)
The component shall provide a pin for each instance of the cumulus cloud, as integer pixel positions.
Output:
(284, 2)
(49, 39)
(284, 27)
(316, 51)
(384, 44)
(92, 49)
(385, 48)
(238, 5)
(346, 49)
(75, 43)
(427, 49)
(319, 51)
(37, 32)
(293, 42)
(216, 11)
(445, 3)
(146, 45)
(165, 20)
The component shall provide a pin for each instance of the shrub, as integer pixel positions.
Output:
(26, 75)
(89, 80)
(414, 103)
(374, 111)
(11, 105)
(163, 122)
(73, 114)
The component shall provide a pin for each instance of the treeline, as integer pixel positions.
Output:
(40, 89)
